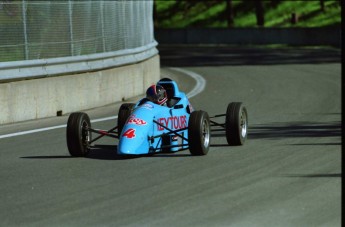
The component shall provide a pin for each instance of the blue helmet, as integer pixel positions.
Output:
(157, 94)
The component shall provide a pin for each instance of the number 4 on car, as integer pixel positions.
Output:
(130, 133)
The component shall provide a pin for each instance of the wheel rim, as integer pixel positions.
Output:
(205, 133)
(243, 124)
(85, 134)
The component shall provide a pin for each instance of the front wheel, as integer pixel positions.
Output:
(125, 111)
(199, 133)
(236, 124)
(78, 135)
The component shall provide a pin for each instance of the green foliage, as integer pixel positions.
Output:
(181, 14)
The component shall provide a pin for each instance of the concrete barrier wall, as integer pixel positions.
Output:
(255, 36)
(44, 97)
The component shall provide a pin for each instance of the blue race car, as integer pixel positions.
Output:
(148, 128)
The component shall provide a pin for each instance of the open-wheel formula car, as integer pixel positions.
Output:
(148, 128)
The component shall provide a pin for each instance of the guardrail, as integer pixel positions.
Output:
(18, 70)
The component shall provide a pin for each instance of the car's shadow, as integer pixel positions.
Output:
(218, 134)
(109, 152)
(47, 157)
(102, 152)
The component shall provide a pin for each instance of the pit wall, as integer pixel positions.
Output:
(47, 97)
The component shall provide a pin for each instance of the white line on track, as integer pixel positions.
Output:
(200, 81)
(198, 88)
(31, 131)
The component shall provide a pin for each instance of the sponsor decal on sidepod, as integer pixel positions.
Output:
(172, 122)
(136, 121)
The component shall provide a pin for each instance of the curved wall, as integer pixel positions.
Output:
(45, 97)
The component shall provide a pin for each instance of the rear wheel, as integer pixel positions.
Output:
(125, 111)
(199, 133)
(236, 124)
(78, 135)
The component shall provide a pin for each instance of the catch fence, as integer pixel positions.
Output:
(31, 30)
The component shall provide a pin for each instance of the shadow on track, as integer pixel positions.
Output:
(330, 175)
(109, 152)
(295, 130)
(183, 56)
(219, 135)
(48, 157)
(317, 144)
(102, 152)
(170, 155)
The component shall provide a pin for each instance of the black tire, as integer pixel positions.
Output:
(78, 138)
(125, 111)
(236, 124)
(199, 133)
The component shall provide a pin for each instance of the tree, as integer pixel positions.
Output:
(155, 19)
(322, 5)
(229, 13)
(259, 11)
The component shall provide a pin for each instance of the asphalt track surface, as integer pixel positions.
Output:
(288, 173)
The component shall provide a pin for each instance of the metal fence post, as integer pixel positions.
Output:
(70, 13)
(26, 47)
(102, 23)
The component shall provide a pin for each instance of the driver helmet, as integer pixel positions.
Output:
(157, 94)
